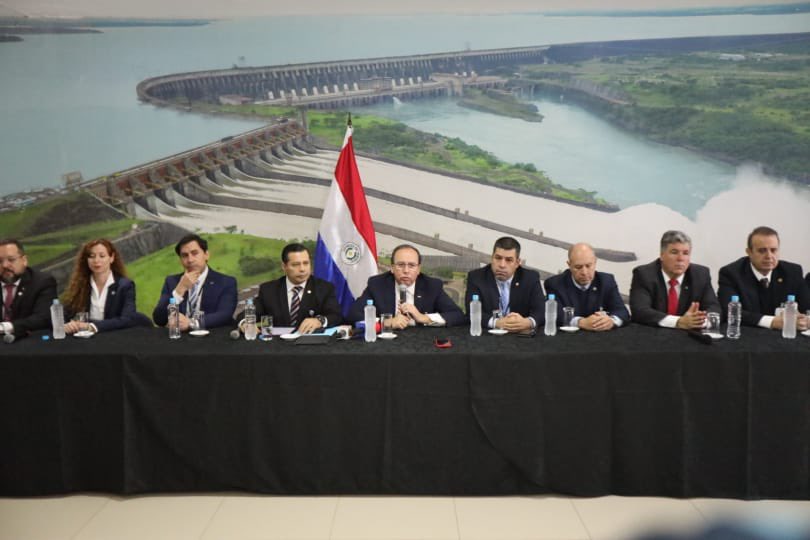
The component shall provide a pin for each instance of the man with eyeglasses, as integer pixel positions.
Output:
(505, 286)
(27, 293)
(410, 296)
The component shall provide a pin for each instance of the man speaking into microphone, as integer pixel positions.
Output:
(410, 296)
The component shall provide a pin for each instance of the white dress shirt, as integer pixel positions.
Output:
(410, 292)
(179, 298)
(8, 327)
(98, 299)
(766, 320)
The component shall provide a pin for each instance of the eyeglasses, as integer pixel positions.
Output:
(11, 260)
(404, 265)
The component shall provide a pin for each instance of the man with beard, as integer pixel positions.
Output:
(27, 293)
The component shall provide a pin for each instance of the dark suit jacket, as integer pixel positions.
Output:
(218, 299)
(119, 308)
(525, 296)
(429, 297)
(738, 278)
(648, 292)
(31, 308)
(602, 293)
(807, 279)
(318, 296)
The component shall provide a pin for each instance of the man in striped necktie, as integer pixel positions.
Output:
(298, 299)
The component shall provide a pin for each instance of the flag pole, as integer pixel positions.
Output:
(349, 122)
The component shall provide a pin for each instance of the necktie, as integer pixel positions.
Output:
(766, 304)
(504, 301)
(295, 305)
(193, 297)
(672, 299)
(9, 299)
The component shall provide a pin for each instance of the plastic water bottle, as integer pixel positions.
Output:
(551, 315)
(370, 313)
(734, 318)
(174, 319)
(57, 319)
(250, 320)
(475, 316)
(789, 318)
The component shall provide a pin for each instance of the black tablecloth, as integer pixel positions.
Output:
(634, 411)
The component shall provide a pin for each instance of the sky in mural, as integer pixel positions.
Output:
(241, 8)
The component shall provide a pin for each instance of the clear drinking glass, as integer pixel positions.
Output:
(198, 320)
(712, 324)
(386, 329)
(266, 328)
(496, 314)
(568, 316)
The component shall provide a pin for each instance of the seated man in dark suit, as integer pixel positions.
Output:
(409, 295)
(763, 282)
(506, 286)
(27, 293)
(298, 299)
(199, 288)
(671, 292)
(595, 297)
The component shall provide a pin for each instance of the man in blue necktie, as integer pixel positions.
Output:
(506, 286)
(198, 288)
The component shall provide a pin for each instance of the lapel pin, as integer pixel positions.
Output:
(595, 289)
(517, 284)
(779, 280)
(309, 292)
(112, 293)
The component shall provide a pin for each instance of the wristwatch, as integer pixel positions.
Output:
(322, 320)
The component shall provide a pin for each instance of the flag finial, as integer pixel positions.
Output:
(349, 121)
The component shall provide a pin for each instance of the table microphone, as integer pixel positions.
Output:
(9, 338)
(235, 334)
(403, 293)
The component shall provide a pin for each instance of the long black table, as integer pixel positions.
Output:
(637, 411)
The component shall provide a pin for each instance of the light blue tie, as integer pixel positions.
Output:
(504, 289)
(192, 299)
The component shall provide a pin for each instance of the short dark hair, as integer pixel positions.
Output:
(403, 246)
(189, 238)
(761, 231)
(295, 247)
(508, 243)
(7, 241)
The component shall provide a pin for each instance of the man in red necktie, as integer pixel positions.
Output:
(27, 293)
(670, 291)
